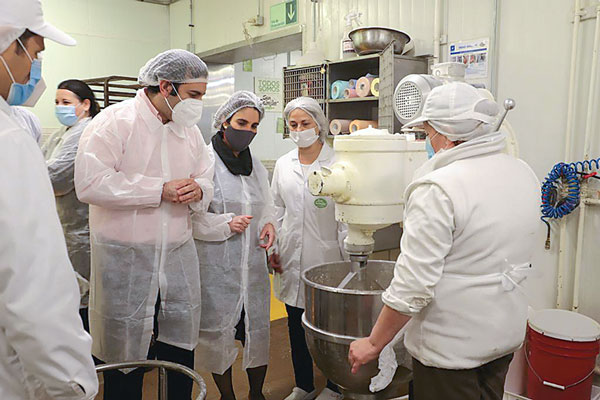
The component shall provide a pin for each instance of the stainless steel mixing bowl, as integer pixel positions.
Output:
(374, 39)
(335, 317)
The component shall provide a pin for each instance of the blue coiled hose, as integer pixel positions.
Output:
(587, 165)
(552, 205)
(567, 175)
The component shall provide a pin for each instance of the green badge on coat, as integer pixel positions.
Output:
(320, 203)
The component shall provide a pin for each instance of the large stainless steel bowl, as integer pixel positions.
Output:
(374, 39)
(335, 317)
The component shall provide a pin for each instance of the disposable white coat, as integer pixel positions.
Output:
(470, 227)
(27, 120)
(44, 351)
(233, 269)
(140, 244)
(60, 150)
(303, 220)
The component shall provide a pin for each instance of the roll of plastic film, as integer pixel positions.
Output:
(350, 93)
(339, 126)
(359, 124)
(375, 87)
(337, 89)
(363, 86)
(352, 83)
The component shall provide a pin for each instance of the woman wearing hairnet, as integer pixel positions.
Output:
(308, 232)
(231, 240)
(75, 107)
(143, 166)
(470, 225)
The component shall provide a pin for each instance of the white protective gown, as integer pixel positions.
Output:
(233, 269)
(27, 120)
(44, 351)
(470, 228)
(60, 150)
(308, 232)
(140, 244)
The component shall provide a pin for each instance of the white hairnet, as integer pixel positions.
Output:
(9, 34)
(458, 111)
(237, 101)
(312, 108)
(177, 66)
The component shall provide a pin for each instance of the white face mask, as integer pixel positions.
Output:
(187, 112)
(304, 138)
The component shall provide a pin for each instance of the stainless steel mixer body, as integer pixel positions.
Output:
(336, 316)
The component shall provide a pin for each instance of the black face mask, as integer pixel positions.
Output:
(238, 139)
(237, 165)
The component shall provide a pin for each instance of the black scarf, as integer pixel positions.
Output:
(241, 165)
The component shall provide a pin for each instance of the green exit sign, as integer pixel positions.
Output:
(283, 14)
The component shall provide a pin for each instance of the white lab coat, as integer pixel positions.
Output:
(27, 120)
(308, 232)
(233, 269)
(44, 351)
(470, 227)
(140, 244)
(60, 150)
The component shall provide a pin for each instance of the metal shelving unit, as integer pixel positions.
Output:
(304, 81)
(113, 89)
(390, 68)
(315, 81)
(352, 100)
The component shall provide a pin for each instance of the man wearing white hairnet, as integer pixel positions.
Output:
(142, 165)
(469, 228)
(44, 351)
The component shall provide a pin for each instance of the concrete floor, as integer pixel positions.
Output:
(280, 375)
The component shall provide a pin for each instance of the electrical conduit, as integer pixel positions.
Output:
(568, 133)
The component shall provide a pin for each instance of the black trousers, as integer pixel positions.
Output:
(120, 386)
(301, 359)
(85, 320)
(482, 383)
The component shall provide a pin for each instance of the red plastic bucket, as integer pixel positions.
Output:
(561, 355)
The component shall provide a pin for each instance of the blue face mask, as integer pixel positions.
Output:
(66, 115)
(20, 92)
(429, 148)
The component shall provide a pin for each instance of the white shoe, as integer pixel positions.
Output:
(299, 394)
(328, 394)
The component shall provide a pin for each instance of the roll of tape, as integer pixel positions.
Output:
(337, 89)
(339, 126)
(375, 87)
(363, 86)
(359, 124)
(350, 93)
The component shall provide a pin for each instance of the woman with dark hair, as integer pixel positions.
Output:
(232, 238)
(75, 107)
